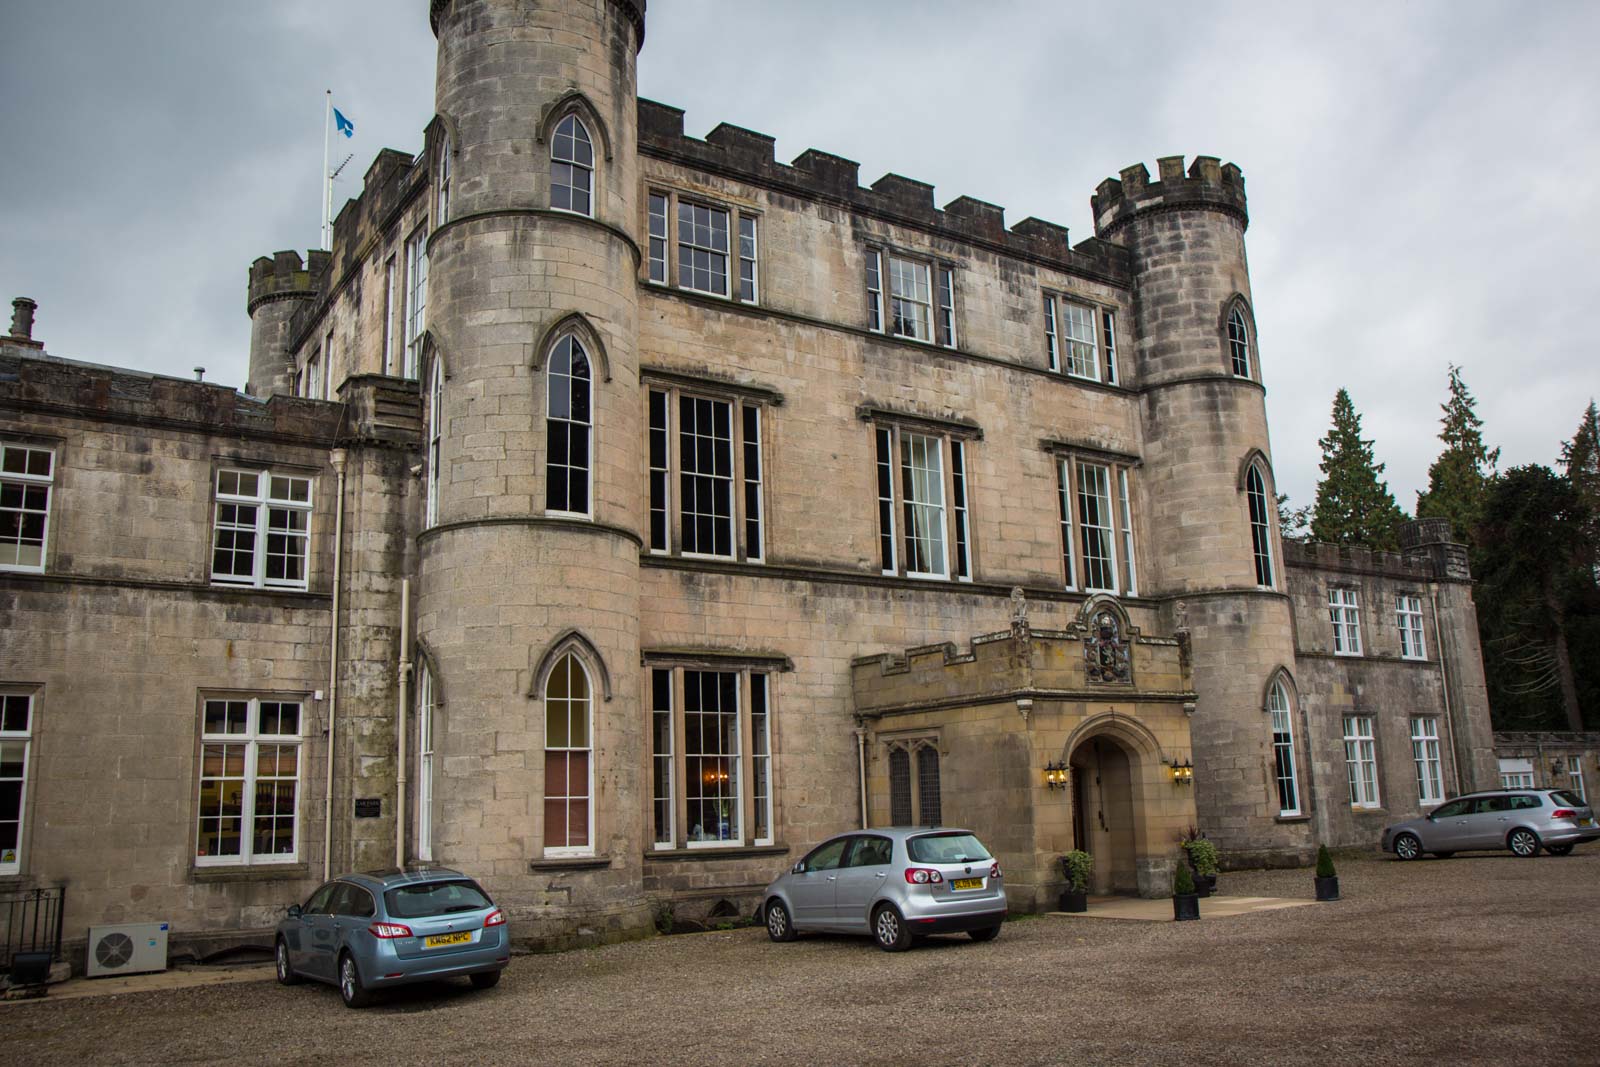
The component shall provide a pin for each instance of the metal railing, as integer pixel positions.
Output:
(30, 921)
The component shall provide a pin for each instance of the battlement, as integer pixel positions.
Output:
(1208, 184)
(283, 276)
(746, 155)
(1357, 559)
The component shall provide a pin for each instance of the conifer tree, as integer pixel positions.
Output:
(1459, 478)
(1354, 507)
(1581, 459)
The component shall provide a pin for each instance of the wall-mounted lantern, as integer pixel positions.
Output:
(1055, 774)
(1182, 772)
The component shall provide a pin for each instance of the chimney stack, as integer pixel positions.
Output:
(22, 318)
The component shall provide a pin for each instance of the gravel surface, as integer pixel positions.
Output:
(1468, 960)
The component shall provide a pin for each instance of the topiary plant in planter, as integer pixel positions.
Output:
(1076, 866)
(1327, 879)
(1203, 860)
(1185, 903)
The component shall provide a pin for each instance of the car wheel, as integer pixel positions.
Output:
(1408, 847)
(286, 975)
(889, 929)
(779, 926)
(485, 980)
(1523, 842)
(1559, 850)
(988, 933)
(1444, 855)
(354, 993)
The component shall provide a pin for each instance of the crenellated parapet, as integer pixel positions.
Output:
(745, 155)
(283, 276)
(1208, 184)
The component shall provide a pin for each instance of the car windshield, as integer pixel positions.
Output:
(1571, 800)
(945, 848)
(427, 899)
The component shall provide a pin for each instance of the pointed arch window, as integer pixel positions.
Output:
(568, 429)
(914, 797)
(572, 167)
(427, 705)
(568, 768)
(1260, 525)
(435, 441)
(1283, 750)
(1238, 343)
(444, 183)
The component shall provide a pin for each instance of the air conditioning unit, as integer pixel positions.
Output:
(127, 948)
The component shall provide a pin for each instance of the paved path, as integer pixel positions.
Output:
(1160, 911)
(1463, 961)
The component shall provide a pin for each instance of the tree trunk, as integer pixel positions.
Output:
(1569, 685)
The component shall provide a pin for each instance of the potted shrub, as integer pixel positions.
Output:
(1203, 857)
(1327, 877)
(1185, 902)
(1076, 866)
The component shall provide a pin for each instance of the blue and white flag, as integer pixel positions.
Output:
(342, 124)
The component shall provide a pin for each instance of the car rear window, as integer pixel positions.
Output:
(945, 848)
(1570, 800)
(426, 899)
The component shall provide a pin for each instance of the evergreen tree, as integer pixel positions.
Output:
(1293, 523)
(1459, 478)
(1353, 506)
(1581, 459)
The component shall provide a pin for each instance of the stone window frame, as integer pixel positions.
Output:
(1424, 760)
(577, 349)
(434, 439)
(11, 735)
(943, 294)
(430, 704)
(1344, 615)
(1236, 306)
(1413, 639)
(749, 530)
(415, 309)
(264, 503)
(1067, 458)
(757, 759)
(1575, 781)
(1281, 684)
(252, 738)
(956, 527)
(1263, 533)
(1102, 316)
(1361, 762)
(663, 233)
(568, 656)
(23, 483)
(443, 179)
(590, 170)
(916, 750)
(574, 104)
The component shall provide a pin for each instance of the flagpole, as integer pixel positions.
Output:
(327, 180)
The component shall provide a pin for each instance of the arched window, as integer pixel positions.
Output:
(435, 441)
(427, 702)
(899, 787)
(929, 813)
(568, 772)
(1260, 525)
(444, 183)
(572, 168)
(1283, 750)
(1239, 343)
(568, 429)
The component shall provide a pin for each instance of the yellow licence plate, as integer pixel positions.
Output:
(1585, 822)
(438, 940)
(967, 883)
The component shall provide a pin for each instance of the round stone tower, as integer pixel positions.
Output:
(508, 584)
(279, 286)
(1205, 428)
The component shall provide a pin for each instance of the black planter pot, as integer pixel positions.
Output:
(1185, 906)
(1328, 888)
(1075, 900)
(1205, 884)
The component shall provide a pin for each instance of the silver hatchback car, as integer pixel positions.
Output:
(896, 884)
(364, 932)
(1522, 820)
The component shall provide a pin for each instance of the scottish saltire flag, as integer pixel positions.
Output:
(342, 124)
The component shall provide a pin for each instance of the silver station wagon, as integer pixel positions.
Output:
(897, 885)
(1522, 820)
(364, 932)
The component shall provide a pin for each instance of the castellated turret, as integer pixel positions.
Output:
(1208, 465)
(280, 285)
(529, 565)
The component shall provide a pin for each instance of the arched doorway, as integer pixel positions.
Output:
(1106, 812)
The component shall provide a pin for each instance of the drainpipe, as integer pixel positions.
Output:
(400, 731)
(1444, 678)
(337, 458)
(861, 770)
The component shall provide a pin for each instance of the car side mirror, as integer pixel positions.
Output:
(798, 868)
(294, 911)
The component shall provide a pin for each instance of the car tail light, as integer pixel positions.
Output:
(1563, 813)
(994, 869)
(389, 931)
(922, 876)
(494, 918)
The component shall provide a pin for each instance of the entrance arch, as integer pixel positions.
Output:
(1115, 761)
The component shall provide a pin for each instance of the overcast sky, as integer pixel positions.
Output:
(1424, 177)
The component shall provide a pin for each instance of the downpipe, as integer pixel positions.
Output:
(400, 730)
(337, 458)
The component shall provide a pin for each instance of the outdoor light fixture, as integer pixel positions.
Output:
(1055, 774)
(1182, 772)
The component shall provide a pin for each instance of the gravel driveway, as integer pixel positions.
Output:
(1469, 960)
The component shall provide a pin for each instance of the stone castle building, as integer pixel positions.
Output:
(613, 514)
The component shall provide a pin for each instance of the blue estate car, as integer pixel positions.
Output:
(364, 932)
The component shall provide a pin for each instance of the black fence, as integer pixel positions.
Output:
(30, 921)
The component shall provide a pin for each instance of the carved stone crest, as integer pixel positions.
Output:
(1105, 652)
